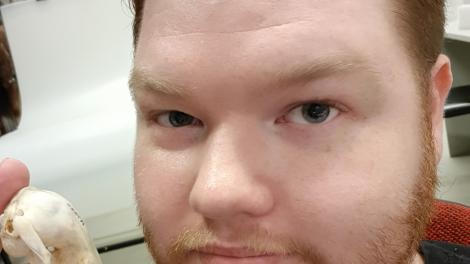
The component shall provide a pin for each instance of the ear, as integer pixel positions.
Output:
(441, 82)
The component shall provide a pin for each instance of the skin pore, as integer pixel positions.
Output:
(282, 132)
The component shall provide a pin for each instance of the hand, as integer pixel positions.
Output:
(13, 177)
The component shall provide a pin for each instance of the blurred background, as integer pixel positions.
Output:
(65, 110)
(10, 104)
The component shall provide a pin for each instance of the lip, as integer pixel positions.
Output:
(218, 254)
(233, 252)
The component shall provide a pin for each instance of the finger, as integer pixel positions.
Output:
(13, 176)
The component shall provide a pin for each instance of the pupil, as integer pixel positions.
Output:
(179, 119)
(316, 113)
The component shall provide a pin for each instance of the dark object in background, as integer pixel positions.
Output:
(458, 102)
(4, 259)
(10, 108)
(457, 114)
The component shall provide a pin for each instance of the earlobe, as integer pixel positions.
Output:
(441, 82)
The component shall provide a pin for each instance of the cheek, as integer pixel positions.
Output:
(349, 193)
(163, 180)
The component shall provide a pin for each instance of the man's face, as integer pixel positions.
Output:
(278, 132)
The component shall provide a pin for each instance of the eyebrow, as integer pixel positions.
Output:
(142, 79)
(323, 67)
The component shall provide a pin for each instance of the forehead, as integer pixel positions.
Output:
(228, 16)
(243, 21)
(256, 38)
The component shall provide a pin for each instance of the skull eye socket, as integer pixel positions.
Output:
(9, 226)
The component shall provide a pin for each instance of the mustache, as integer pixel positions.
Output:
(258, 241)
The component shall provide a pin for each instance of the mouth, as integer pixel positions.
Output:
(236, 255)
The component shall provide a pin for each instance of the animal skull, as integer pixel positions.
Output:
(44, 227)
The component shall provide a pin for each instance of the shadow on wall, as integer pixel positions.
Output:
(10, 106)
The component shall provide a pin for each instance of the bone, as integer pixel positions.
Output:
(44, 228)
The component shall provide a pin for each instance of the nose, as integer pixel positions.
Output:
(233, 176)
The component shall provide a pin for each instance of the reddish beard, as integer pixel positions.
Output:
(414, 222)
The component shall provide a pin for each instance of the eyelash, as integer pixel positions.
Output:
(153, 116)
(331, 104)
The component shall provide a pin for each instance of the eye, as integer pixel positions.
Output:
(312, 113)
(177, 119)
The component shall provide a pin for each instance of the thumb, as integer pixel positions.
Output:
(13, 176)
